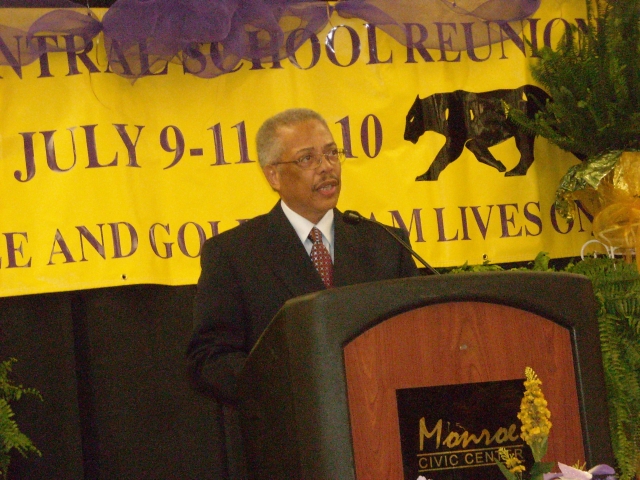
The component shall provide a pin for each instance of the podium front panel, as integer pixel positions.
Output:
(455, 343)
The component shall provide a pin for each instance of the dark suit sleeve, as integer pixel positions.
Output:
(407, 264)
(217, 349)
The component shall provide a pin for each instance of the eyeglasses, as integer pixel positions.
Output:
(314, 160)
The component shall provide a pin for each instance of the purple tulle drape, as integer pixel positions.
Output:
(210, 37)
(21, 44)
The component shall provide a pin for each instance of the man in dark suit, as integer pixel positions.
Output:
(249, 272)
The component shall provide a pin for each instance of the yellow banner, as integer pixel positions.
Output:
(110, 182)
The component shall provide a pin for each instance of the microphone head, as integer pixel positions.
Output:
(351, 217)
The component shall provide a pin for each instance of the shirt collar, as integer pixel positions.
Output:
(302, 226)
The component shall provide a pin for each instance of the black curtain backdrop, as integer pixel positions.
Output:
(117, 405)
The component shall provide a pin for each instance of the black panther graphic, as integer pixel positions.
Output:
(476, 121)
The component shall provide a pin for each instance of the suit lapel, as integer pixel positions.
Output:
(287, 256)
(349, 266)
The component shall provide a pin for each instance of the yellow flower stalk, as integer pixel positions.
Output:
(534, 416)
(513, 463)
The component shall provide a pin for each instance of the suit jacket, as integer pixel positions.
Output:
(249, 272)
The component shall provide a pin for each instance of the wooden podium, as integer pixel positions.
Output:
(319, 387)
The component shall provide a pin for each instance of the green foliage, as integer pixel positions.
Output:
(539, 469)
(539, 264)
(485, 267)
(593, 77)
(505, 471)
(10, 436)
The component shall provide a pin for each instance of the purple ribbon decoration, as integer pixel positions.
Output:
(211, 37)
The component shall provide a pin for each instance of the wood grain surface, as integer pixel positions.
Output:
(454, 343)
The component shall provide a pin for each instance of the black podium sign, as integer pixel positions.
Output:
(454, 431)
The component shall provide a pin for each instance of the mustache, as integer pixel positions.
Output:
(327, 178)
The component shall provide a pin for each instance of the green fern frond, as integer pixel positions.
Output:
(11, 438)
(593, 77)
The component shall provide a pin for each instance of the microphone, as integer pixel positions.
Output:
(353, 218)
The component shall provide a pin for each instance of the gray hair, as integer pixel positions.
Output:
(267, 140)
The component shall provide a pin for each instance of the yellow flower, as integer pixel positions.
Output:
(534, 415)
(513, 463)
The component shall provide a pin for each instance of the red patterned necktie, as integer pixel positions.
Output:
(321, 257)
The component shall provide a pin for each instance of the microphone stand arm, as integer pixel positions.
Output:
(406, 247)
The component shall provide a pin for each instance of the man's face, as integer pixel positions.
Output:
(310, 193)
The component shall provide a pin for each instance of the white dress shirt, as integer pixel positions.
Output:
(303, 227)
